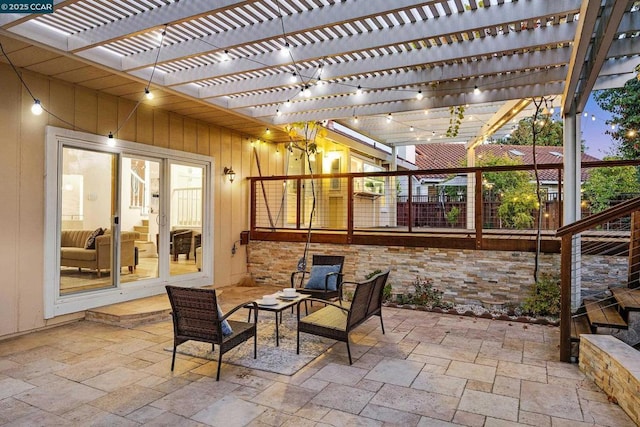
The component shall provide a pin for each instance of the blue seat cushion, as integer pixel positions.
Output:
(319, 273)
(226, 328)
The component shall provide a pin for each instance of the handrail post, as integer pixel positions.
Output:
(560, 209)
(298, 201)
(253, 213)
(409, 206)
(478, 208)
(565, 297)
(350, 210)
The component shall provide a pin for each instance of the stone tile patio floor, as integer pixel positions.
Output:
(428, 370)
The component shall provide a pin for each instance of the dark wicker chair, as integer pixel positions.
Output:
(298, 278)
(195, 317)
(337, 320)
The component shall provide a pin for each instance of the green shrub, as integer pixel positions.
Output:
(425, 294)
(544, 296)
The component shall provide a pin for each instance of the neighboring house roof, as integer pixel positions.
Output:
(440, 156)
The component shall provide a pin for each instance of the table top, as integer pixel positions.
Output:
(281, 302)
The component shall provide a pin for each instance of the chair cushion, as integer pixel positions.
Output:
(318, 274)
(226, 327)
(91, 240)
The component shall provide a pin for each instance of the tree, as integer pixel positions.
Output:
(606, 184)
(517, 194)
(624, 105)
(549, 133)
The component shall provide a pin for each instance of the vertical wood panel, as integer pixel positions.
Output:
(86, 105)
(203, 138)
(161, 128)
(190, 135)
(145, 125)
(30, 304)
(108, 116)
(61, 103)
(127, 119)
(10, 176)
(176, 132)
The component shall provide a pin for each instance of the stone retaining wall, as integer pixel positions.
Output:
(465, 276)
(615, 368)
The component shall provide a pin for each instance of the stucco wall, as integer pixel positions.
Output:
(22, 154)
(465, 276)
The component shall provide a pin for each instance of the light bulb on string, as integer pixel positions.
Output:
(306, 92)
(419, 95)
(111, 140)
(36, 108)
(593, 118)
(359, 90)
(355, 119)
(147, 93)
(225, 55)
(389, 117)
(293, 78)
(288, 103)
(476, 90)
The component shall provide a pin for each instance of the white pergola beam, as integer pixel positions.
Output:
(323, 17)
(504, 94)
(471, 21)
(416, 80)
(514, 41)
(490, 83)
(607, 29)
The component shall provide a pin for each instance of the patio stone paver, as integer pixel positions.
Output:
(343, 398)
(471, 371)
(428, 370)
(489, 404)
(551, 400)
(395, 371)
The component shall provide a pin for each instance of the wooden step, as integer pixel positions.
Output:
(579, 326)
(603, 314)
(627, 298)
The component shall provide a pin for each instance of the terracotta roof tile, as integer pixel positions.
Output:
(438, 156)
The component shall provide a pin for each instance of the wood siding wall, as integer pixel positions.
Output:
(22, 152)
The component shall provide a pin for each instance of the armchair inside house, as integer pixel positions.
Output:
(323, 280)
(179, 242)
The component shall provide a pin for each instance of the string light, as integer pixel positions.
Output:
(306, 92)
(111, 141)
(593, 118)
(147, 93)
(36, 108)
(278, 113)
(389, 117)
(359, 90)
(476, 91)
(288, 103)
(355, 119)
(225, 55)
(294, 78)
(419, 95)
(267, 131)
(411, 128)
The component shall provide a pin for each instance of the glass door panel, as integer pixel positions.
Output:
(184, 233)
(139, 213)
(86, 210)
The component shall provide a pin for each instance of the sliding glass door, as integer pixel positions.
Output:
(139, 211)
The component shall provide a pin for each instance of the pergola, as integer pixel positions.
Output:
(392, 71)
(253, 65)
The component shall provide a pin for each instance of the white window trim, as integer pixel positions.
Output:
(56, 305)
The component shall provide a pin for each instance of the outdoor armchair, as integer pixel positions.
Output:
(337, 319)
(323, 280)
(196, 316)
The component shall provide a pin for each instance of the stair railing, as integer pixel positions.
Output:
(567, 234)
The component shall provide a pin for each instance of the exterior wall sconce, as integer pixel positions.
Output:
(228, 171)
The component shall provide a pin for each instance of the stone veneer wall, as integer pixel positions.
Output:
(615, 368)
(466, 276)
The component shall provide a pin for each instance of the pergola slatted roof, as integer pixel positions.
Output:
(231, 56)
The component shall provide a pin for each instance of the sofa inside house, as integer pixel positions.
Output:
(78, 250)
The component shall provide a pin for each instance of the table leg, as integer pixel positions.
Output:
(277, 332)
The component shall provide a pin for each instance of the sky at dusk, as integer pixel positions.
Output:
(597, 142)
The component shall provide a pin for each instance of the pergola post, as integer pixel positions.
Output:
(572, 196)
